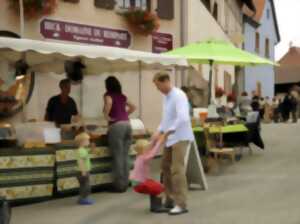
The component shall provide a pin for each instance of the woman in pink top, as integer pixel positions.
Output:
(116, 111)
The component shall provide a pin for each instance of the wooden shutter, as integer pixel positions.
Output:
(149, 5)
(257, 40)
(165, 9)
(215, 11)
(105, 4)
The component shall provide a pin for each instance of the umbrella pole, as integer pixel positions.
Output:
(21, 3)
(140, 89)
(210, 81)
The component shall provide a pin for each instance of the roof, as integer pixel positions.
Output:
(275, 20)
(292, 57)
(287, 74)
(289, 70)
(101, 57)
(257, 15)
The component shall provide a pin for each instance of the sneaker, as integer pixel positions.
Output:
(177, 210)
(86, 201)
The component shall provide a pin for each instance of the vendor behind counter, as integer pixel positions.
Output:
(62, 107)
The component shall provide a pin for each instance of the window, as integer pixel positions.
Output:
(268, 13)
(257, 42)
(215, 11)
(206, 4)
(165, 9)
(126, 4)
(267, 48)
(105, 4)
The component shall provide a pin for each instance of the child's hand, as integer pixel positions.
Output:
(93, 148)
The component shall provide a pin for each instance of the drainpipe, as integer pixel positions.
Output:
(21, 18)
(183, 31)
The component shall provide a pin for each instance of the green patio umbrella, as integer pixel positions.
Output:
(218, 52)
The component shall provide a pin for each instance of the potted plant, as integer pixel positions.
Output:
(219, 92)
(141, 21)
(34, 8)
(231, 97)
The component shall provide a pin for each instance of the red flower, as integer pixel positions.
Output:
(141, 21)
(34, 8)
(231, 97)
(219, 92)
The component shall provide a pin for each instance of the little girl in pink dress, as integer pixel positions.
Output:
(140, 175)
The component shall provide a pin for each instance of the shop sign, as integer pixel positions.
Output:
(67, 31)
(162, 42)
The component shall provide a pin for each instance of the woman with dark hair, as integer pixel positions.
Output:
(116, 111)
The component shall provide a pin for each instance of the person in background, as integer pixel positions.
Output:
(116, 110)
(267, 110)
(62, 107)
(286, 108)
(275, 110)
(245, 104)
(254, 95)
(189, 96)
(280, 108)
(176, 130)
(261, 107)
(294, 105)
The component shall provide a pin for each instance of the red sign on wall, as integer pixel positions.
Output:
(60, 30)
(162, 42)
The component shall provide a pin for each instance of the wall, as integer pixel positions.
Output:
(93, 88)
(263, 74)
(202, 26)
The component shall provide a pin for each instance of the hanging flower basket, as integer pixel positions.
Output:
(141, 21)
(34, 8)
(219, 92)
(231, 97)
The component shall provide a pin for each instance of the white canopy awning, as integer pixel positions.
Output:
(111, 58)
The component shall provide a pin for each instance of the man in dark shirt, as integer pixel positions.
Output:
(62, 107)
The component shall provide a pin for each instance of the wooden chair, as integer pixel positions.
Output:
(214, 142)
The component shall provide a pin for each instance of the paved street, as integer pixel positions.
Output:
(261, 188)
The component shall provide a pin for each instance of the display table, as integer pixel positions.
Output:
(66, 168)
(37, 174)
(26, 173)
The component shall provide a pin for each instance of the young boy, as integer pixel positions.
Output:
(84, 167)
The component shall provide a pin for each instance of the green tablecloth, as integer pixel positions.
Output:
(226, 129)
(229, 129)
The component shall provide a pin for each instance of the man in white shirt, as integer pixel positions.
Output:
(176, 130)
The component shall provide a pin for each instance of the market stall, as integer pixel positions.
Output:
(43, 170)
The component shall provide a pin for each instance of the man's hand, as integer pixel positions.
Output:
(156, 136)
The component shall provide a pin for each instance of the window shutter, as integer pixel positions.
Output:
(105, 4)
(165, 9)
(149, 5)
